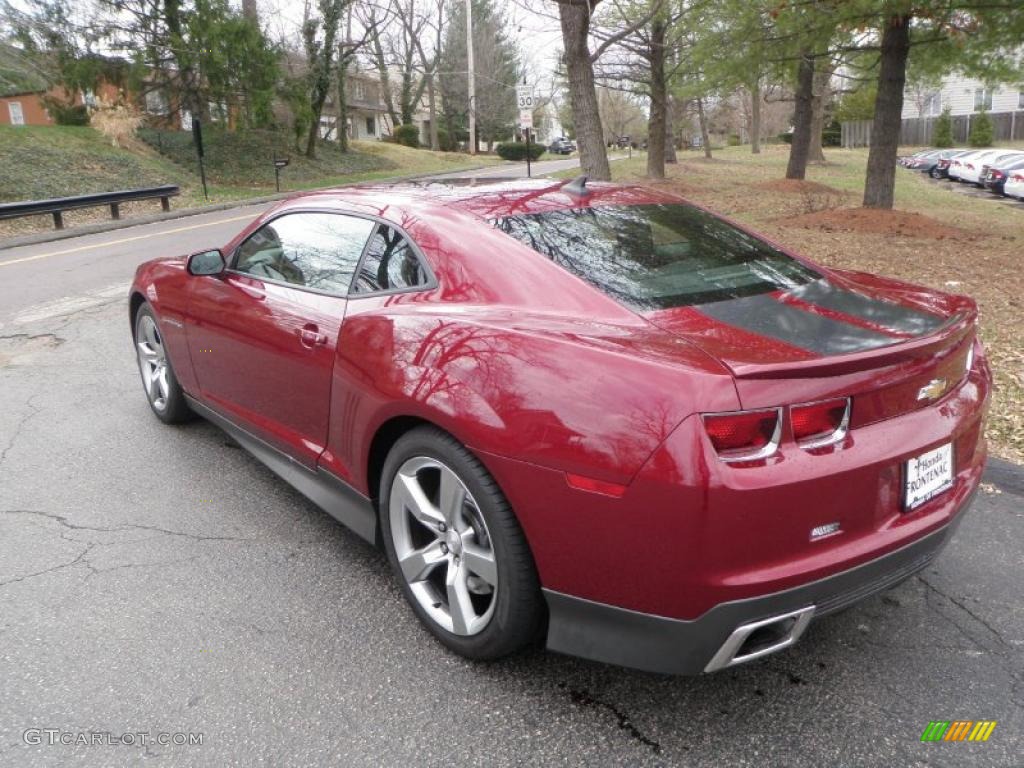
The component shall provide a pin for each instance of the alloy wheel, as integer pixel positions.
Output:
(152, 361)
(443, 547)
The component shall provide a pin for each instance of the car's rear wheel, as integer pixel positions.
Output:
(456, 547)
(163, 392)
(934, 173)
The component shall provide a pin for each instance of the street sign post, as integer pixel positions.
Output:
(279, 163)
(524, 99)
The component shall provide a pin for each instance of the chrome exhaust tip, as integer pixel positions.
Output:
(760, 638)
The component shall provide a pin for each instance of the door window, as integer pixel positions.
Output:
(311, 250)
(390, 263)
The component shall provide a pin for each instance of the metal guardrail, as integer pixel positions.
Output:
(58, 205)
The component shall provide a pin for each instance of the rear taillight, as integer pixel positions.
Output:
(971, 167)
(1017, 177)
(996, 175)
(943, 163)
(744, 435)
(818, 424)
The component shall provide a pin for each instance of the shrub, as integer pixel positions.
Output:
(734, 140)
(786, 137)
(67, 114)
(118, 122)
(943, 136)
(408, 134)
(981, 131)
(516, 150)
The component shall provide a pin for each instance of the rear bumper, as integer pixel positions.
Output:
(723, 636)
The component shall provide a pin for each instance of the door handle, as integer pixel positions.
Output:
(310, 336)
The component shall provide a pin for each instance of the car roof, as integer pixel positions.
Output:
(486, 198)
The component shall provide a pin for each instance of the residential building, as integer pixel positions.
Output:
(364, 103)
(963, 96)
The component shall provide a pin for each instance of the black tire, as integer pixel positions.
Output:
(934, 173)
(172, 409)
(519, 609)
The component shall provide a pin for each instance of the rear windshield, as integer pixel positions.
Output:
(658, 256)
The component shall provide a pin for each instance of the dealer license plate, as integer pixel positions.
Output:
(927, 476)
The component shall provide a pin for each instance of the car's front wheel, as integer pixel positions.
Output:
(456, 547)
(163, 391)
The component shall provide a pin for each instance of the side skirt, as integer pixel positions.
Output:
(333, 495)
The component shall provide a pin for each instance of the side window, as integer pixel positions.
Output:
(390, 263)
(312, 250)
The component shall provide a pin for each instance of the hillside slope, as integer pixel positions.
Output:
(55, 161)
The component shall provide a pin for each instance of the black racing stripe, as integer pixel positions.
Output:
(767, 316)
(876, 311)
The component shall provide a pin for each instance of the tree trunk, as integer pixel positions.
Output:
(797, 166)
(755, 117)
(879, 186)
(250, 12)
(670, 133)
(435, 143)
(702, 119)
(575, 21)
(656, 122)
(342, 102)
(815, 154)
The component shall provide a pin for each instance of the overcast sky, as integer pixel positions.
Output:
(536, 32)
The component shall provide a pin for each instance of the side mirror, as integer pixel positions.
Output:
(206, 263)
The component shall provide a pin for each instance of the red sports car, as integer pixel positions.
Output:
(592, 413)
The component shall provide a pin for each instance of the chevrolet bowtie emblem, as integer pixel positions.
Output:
(932, 390)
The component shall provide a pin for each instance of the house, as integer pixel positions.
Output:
(965, 97)
(364, 103)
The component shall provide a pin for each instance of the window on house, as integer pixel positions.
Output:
(218, 111)
(359, 90)
(16, 113)
(371, 128)
(982, 99)
(156, 103)
(1020, 100)
(932, 104)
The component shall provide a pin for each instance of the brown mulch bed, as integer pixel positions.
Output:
(880, 222)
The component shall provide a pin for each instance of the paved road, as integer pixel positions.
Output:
(158, 579)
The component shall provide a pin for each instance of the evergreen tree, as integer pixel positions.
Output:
(943, 135)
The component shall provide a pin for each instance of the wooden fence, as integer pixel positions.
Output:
(1006, 126)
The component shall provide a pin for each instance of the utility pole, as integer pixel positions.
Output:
(472, 77)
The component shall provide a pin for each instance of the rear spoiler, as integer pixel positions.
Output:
(949, 335)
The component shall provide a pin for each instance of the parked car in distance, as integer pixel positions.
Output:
(920, 161)
(941, 168)
(1007, 158)
(956, 167)
(971, 168)
(590, 413)
(1014, 185)
(561, 146)
(997, 174)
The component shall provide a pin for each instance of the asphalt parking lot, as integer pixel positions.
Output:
(159, 580)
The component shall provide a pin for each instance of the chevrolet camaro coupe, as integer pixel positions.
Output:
(592, 414)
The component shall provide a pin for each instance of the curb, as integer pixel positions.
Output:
(153, 218)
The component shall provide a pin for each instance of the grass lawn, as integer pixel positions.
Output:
(964, 245)
(56, 161)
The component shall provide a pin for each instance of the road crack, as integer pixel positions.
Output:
(588, 700)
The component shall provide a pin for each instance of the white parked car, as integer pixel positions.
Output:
(970, 171)
(957, 164)
(1014, 186)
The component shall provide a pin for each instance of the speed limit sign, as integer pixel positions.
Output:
(524, 95)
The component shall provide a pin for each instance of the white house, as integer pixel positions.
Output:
(963, 96)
